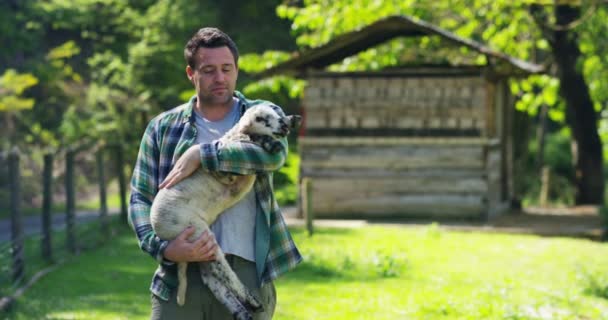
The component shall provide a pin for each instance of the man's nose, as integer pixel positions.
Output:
(219, 76)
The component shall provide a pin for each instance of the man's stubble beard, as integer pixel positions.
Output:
(214, 101)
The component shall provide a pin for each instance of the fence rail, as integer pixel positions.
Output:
(76, 237)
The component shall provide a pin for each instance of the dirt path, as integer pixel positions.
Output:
(579, 222)
(32, 225)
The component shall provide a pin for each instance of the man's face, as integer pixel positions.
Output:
(214, 75)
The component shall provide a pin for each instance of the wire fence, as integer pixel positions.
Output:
(29, 251)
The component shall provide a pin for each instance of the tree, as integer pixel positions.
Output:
(12, 86)
(581, 116)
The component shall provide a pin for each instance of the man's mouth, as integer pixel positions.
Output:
(219, 90)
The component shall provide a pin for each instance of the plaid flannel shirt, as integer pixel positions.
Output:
(166, 138)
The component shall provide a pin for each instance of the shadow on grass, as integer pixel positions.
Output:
(595, 283)
(347, 270)
(302, 232)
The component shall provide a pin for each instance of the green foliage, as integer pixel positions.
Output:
(286, 180)
(536, 91)
(558, 158)
(603, 210)
(12, 86)
(257, 63)
(108, 62)
(287, 87)
(594, 282)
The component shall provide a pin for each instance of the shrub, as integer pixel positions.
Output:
(558, 157)
(594, 283)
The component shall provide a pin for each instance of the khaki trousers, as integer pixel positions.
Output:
(201, 304)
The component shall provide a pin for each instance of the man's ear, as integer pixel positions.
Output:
(189, 72)
(295, 121)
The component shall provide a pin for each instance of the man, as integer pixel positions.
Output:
(252, 234)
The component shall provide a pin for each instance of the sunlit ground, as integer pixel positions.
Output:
(365, 273)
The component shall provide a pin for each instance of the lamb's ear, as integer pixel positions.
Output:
(294, 121)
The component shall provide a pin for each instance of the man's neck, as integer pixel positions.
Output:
(213, 112)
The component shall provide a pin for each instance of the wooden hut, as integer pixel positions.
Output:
(419, 141)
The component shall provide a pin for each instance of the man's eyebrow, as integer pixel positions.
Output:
(208, 66)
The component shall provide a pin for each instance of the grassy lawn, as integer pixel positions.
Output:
(365, 273)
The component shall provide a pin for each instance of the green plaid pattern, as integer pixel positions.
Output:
(166, 138)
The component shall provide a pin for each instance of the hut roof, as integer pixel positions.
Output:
(383, 30)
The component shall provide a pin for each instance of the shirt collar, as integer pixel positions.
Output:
(188, 113)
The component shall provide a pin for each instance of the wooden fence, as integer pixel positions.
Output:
(72, 242)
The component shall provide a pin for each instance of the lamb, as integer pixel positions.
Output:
(199, 199)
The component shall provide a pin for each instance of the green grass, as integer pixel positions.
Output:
(88, 236)
(365, 273)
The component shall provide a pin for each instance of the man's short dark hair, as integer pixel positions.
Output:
(209, 38)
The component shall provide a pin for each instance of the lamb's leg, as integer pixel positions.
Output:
(220, 290)
(220, 269)
(182, 267)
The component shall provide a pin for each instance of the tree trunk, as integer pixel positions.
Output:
(580, 114)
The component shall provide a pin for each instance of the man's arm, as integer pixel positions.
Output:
(238, 157)
(143, 188)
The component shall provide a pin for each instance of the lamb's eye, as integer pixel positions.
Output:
(260, 119)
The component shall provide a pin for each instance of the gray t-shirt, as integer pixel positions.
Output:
(235, 228)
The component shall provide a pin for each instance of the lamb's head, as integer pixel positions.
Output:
(264, 120)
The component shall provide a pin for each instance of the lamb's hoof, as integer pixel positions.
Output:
(253, 304)
(242, 315)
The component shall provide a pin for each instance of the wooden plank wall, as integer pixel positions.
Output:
(366, 157)
(396, 102)
(382, 177)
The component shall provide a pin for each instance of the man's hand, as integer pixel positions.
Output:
(181, 250)
(269, 144)
(184, 167)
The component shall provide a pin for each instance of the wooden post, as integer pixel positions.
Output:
(103, 203)
(122, 183)
(47, 203)
(70, 201)
(544, 187)
(16, 226)
(490, 108)
(306, 189)
(541, 133)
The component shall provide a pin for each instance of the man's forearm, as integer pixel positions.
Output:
(242, 157)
